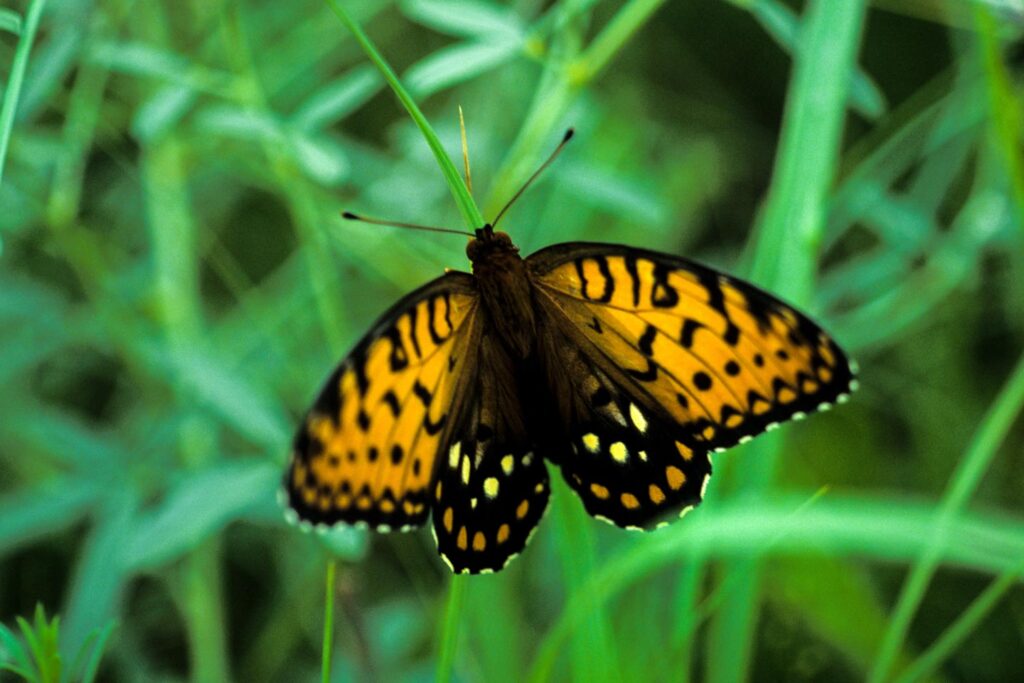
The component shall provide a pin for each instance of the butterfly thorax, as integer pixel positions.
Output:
(505, 289)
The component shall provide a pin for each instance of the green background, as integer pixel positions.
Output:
(176, 283)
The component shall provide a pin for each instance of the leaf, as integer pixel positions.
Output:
(12, 654)
(238, 122)
(320, 157)
(140, 59)
(198, 507)
(47, 508)
(466, 18)
(337, 99)
(161, 112)
(10, 21)
(100, 575)
(89, 655)
(456, 64)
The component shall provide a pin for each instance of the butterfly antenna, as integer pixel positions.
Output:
(554, 155)
(348, 215)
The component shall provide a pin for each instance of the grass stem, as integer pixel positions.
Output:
(450, 629)
(467, 207)
(325, 666)
(12, 93)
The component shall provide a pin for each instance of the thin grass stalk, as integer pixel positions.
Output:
(1006, 112)
(786, 247)
(12, 93)
(593, 653)
(328, 644)
(467, 207)
(989, 436)
(612, 38)
(450, 628)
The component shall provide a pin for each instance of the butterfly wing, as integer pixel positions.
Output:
(492, 487)
(366, 451)
(665, 361)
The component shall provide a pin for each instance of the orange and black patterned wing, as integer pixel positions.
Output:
(492, 486)
(669, 361)
(366, 452)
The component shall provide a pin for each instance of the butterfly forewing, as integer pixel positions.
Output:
(723, 358)
(366, 451)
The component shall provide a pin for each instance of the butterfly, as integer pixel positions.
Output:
(621, 367)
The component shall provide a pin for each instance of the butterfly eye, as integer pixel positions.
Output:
(473, 249)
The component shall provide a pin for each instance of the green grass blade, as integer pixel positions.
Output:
(99, 645)
(610, 41)
(13, 656)
(592, 653)
(450, 628)
(10, 21)
(1006, 117)
(12, 91)
(965, 480)
(328, 645)
(467, 207)
(790, 232)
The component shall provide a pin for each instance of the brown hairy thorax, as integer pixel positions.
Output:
(505, 288)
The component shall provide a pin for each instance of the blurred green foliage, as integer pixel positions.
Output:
(175, 283)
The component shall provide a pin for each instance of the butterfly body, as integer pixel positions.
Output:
(624, 368)
(506, 291)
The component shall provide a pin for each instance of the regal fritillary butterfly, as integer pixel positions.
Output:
(624, 368)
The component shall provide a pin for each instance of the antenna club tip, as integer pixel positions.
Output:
(568, 134)
(350, 216)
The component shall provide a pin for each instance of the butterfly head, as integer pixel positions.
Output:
(489, 242)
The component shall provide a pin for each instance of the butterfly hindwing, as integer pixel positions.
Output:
(629, 461)
(723, 358)
(492, 487)
(366, 451)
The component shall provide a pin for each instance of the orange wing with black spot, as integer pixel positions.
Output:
(366, 451)
(668, 361)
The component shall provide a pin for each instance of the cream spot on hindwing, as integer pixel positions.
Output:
(491, 487)
(639, 421)
(619, 452)
(591, 442)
